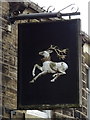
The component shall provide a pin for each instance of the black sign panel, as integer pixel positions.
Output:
(49, 64)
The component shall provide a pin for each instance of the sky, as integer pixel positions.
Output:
(60, 4)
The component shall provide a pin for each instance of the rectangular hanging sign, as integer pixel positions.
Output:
(49, 64)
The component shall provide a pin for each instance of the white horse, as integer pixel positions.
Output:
(56, 68)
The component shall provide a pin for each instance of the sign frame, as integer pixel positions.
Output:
(20, 67)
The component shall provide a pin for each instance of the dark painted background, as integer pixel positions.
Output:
(35, 37)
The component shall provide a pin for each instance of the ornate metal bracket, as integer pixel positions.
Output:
(12, 19)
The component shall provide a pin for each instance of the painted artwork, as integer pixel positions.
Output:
(56, 68)
(49, 64)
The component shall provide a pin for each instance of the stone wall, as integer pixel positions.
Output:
(9, 63)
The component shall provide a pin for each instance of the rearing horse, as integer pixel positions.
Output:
(56, 68)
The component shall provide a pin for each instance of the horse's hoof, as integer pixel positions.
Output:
(31, 81)
(52, 80)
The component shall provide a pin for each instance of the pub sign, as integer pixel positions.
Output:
(49, 64)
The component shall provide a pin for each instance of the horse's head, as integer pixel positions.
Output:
(45, 53)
